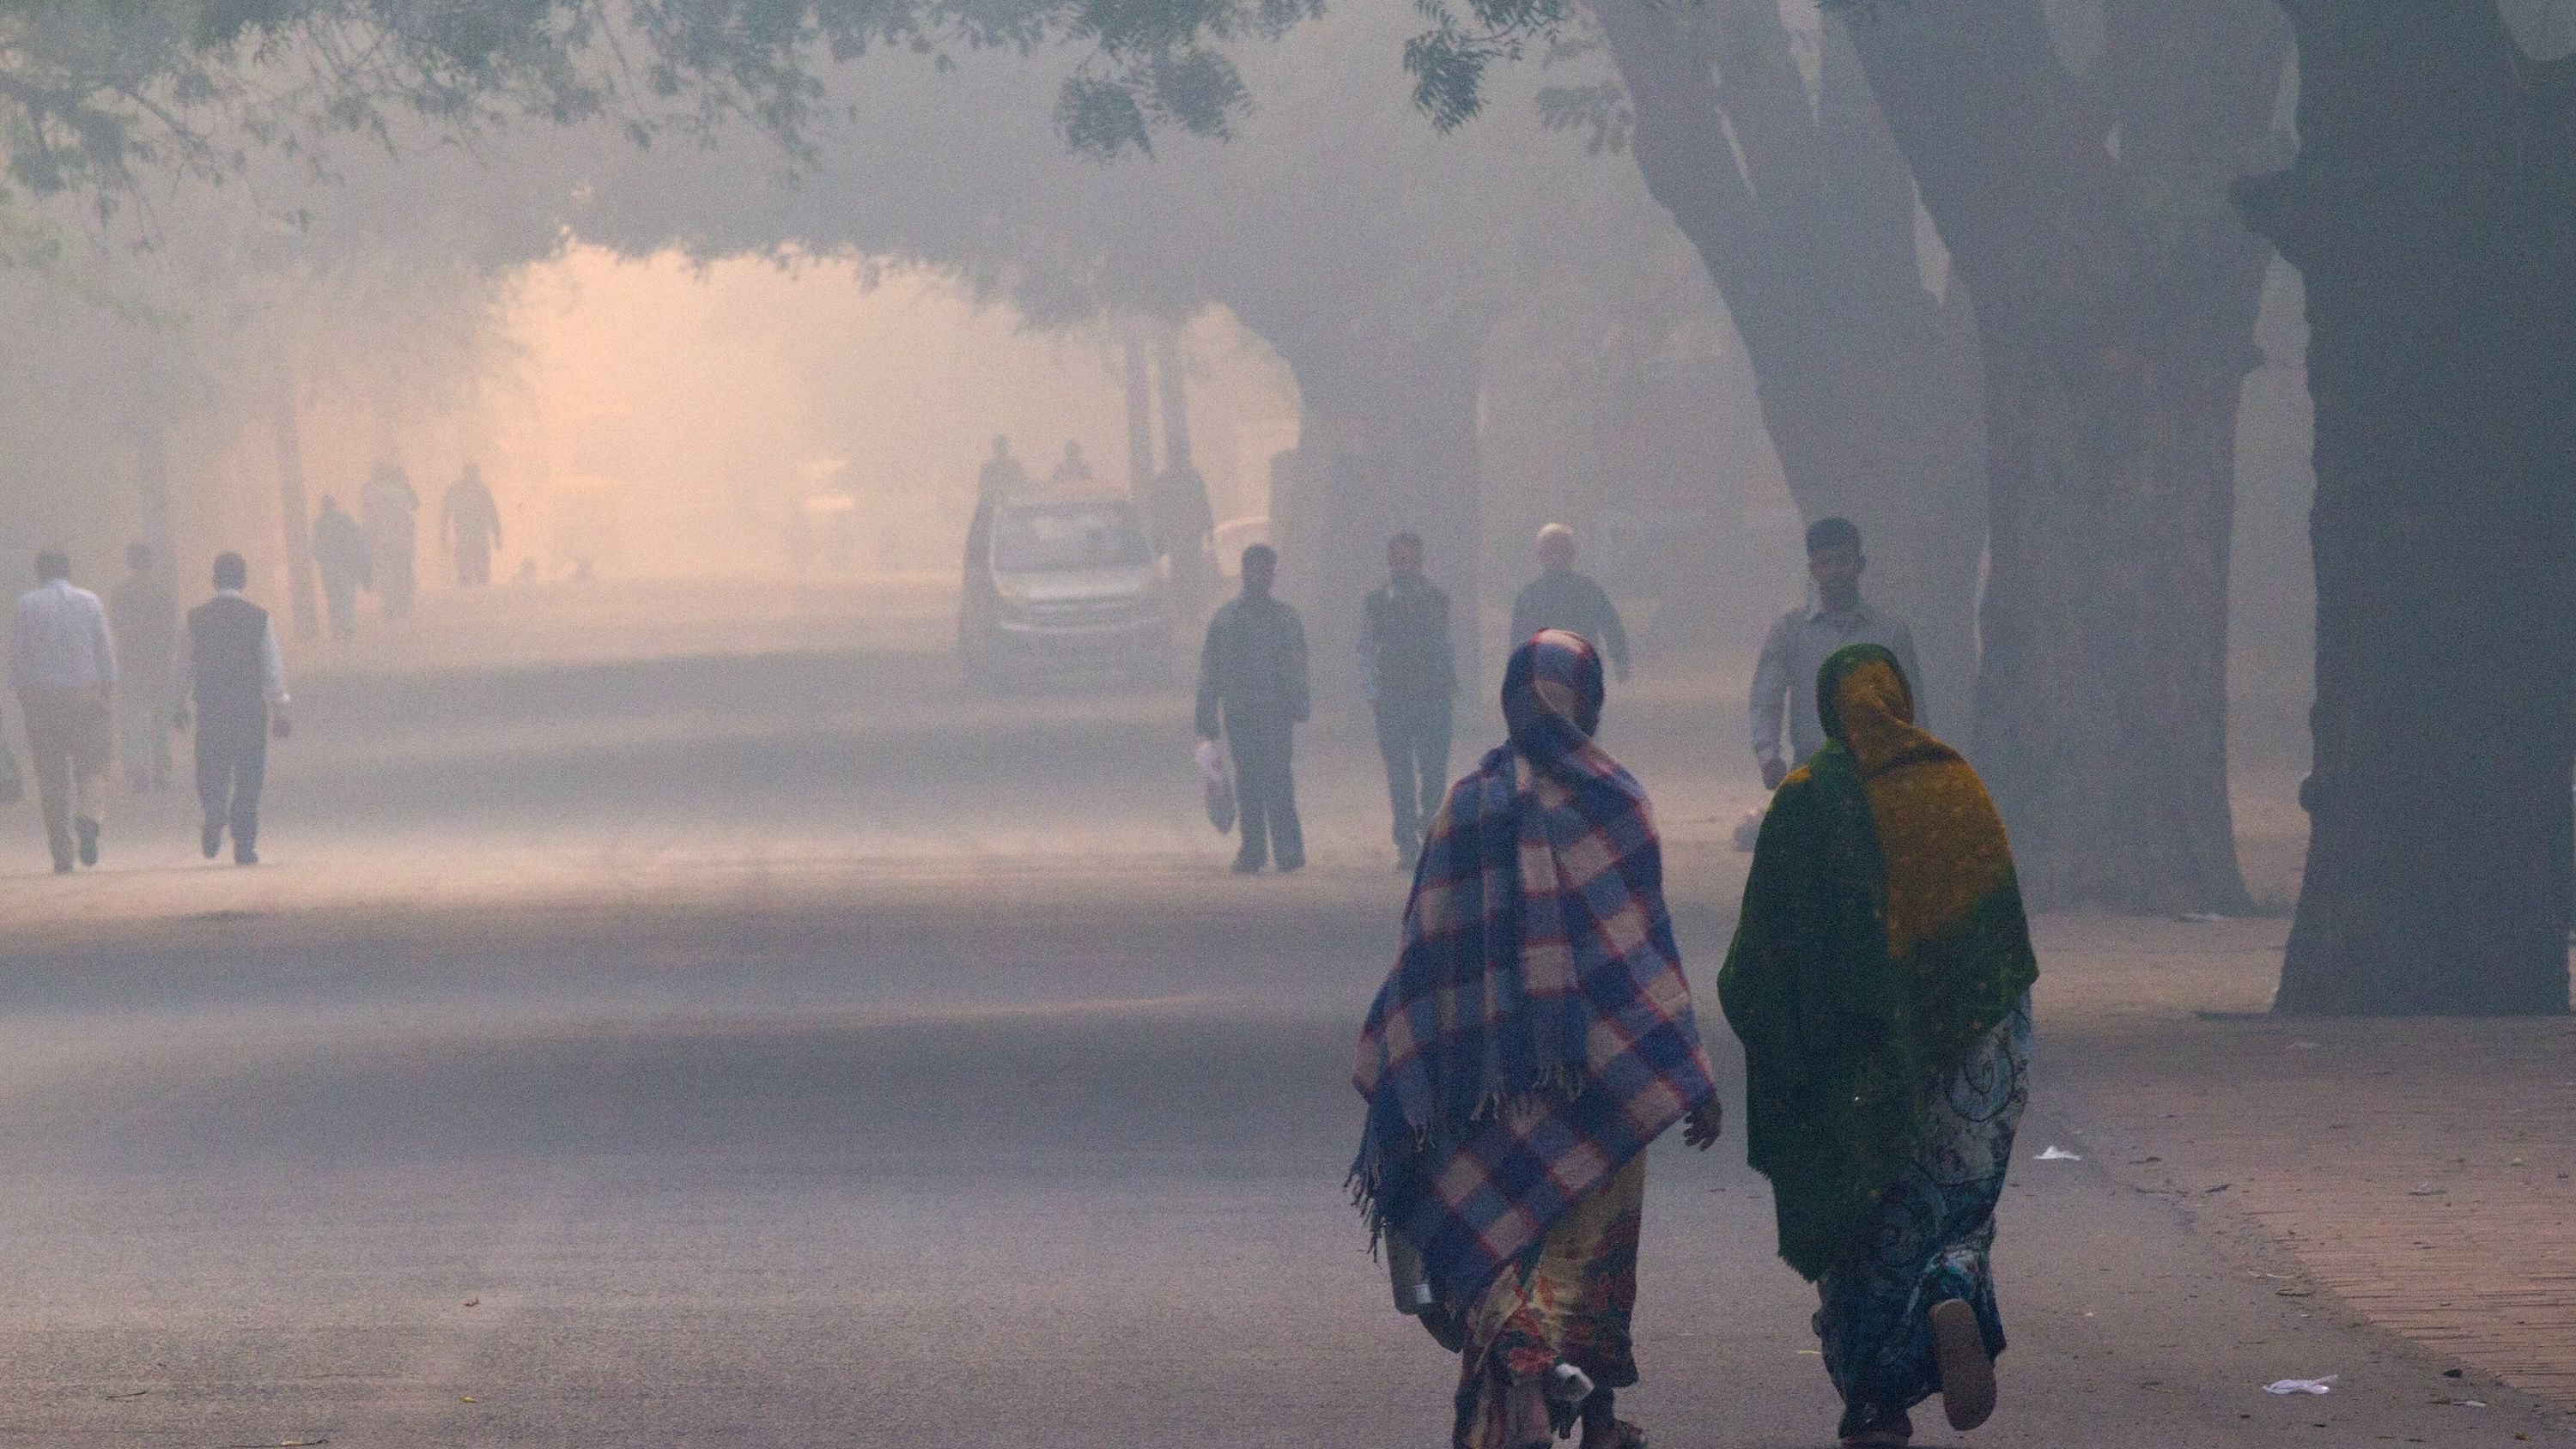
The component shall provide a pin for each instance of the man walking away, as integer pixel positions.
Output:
(341, 556)
(1409, 671)
(146, 619)
(230, 667)
(1002, 476)
(1560, 598)
(1252, 679)
(1785, 681)
(392, 510)
(471, 522)
(62, 663)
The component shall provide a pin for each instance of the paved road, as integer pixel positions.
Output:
(789, 1051)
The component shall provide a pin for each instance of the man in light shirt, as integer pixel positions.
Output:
(1805, 636)
(62, 663)
(230, 666)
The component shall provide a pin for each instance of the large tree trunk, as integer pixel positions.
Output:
(1894, 445)
(2433, 216)
(1386, 443)
(1868, 383)
(2102, 699)
(2116, 296)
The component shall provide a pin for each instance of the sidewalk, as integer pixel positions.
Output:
(2418, 1170)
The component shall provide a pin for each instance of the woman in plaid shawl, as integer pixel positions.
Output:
(1880, 980)
(1534, 1036)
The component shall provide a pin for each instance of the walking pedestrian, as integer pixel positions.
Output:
(62, 663)
(1802, 639)
(230, 667)
(471, 522)
(1001, 477)
(1534, 1036)
(1880, 980)
(1409, 671)
(1252, 682)
(144, 618)
(392, 512)
(341, 556)
(1560, 598)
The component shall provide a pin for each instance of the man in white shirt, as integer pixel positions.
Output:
(1806, 636)
(62, 663)
(230, 667)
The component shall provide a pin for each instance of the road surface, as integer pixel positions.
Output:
(793, 1050)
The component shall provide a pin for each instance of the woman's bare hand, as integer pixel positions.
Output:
(1701, 1128)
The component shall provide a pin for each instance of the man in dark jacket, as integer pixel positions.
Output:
(229, 665)
(471, 523)
(1409, 671)
(1252, 679)
(1560, 598)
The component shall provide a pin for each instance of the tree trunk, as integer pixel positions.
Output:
(2433, 218)
(2116, 294)
(152, 487)
(1140, 423)
(1893, 443)
(1868, 383)
(1385, 444)
(1172, 370)
(2102, 697)
(294, 520)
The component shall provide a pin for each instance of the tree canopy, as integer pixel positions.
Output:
(94, 93)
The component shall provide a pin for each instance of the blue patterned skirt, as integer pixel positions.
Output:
(1931, 1238)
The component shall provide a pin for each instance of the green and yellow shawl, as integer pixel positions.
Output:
(1882, 936)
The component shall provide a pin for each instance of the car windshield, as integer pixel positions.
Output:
(1062, 536)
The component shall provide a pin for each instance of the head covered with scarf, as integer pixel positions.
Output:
(1882, 937)
(1536, 1032)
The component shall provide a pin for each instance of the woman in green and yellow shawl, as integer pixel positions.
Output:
(1880, 980)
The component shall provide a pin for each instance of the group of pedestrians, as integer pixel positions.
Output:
(222, 673)
(1002, 476)
(1254, 688)
(382, 551)
(1537, 1033)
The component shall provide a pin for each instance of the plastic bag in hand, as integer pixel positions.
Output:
(1219, 783)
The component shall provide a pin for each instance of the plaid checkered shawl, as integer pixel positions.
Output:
(1536, 1032)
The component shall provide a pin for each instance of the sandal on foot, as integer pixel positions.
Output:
(1967, 1370)
(1892, 1432)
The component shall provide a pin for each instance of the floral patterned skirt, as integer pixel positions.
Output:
(1567, 1302)
(1931, 1238)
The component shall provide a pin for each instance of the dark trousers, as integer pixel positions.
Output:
(474, 563)
(232, 765)
(1413, 738)
(1265, 787)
